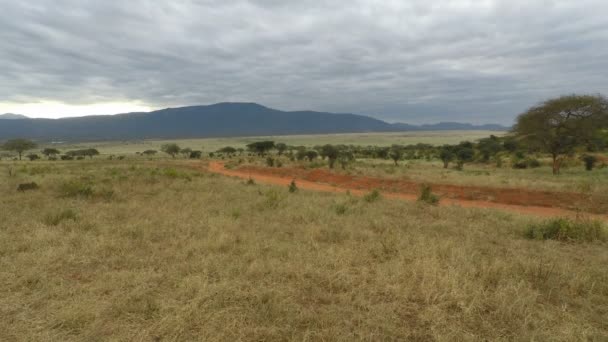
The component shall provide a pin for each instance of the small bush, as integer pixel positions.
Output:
(250, 181)
(293, 187)
(372, 196)
(589, 161)
(562, 229)
(341, 209)
(533, 163)
(270, 162)
(56, 218)
(75, 189)
(427, 196)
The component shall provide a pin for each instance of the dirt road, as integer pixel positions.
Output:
(546, 204)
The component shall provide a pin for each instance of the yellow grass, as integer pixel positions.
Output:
(178, 255)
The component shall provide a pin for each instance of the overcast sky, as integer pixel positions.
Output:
(413, 61)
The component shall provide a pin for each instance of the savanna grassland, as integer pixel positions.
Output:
(140, 250)
(214, 144)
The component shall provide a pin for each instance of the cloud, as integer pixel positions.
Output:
(411, 61)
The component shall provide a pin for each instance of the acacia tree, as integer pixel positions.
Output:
(559, 125)
(331, 153)
(446, 154)
(170, 149)
(50, 152)
(261, 147)
(281, 147)
(19, 146)
(396, 153)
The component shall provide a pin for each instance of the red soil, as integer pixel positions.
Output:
(542, 203)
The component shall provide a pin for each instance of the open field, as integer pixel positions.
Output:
(213, 144)
(150, 250)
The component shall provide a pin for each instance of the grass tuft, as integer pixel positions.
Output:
(562, 229)
(55, 219)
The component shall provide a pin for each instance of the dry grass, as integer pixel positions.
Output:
(179, 255)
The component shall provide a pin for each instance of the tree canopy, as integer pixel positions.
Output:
(558, 126)
(19, 146)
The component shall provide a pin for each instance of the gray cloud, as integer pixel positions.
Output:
(411, 61)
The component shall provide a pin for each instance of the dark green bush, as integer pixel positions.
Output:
(293, 187)
(427, 196)
(562, 229)
(372, 196)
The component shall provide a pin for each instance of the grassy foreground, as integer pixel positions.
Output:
(110, 250)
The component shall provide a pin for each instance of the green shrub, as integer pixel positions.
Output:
(250, 181)
(427, 196)
(372, 196)
(75, 189)
(340, 208)
(293, 187)
(270, 162)
(562, 229)
(56, 218)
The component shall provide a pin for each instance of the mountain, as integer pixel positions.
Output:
(218, 120)
(11, 116)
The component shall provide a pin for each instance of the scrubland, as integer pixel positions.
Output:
(138, 251)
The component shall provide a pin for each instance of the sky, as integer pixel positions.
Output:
(478, 61)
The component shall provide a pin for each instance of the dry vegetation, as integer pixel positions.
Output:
(126, 251)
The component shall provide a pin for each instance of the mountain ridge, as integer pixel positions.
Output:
(226, 119)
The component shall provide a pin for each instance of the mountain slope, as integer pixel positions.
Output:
(218, 120)
(11, 116)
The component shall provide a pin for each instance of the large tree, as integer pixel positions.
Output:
(261, 147)
(50, 152)
(170, 149)
(558, 126)
(19, 146)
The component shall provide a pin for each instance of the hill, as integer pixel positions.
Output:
(11, 116)
(218, 120)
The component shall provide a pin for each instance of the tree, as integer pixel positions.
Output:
(196, 154)
(331, 153)
(463, 154)
(261, 147)
(281, 148)
(90, 152)
(345, 157)
(50, 152)
(229, 150)
(19, 146)
(446, 154)
(396, 153)
(489, 147)
(311, 155)
(559, 125)
(32, 156)
(186, 151)
(149, 152)
(170, 149)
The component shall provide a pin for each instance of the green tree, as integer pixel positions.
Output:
(281, 147)
(261, 147)
(50, 152)
(171, 149)
(396, 153)
(19, 146)
(463, 154)
(331, 153)
(446, 154)
(558, 126)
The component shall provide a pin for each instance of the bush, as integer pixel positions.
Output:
(56, 218)
(270, 162)
(250, 181)
(589, 161)
(533, 163)
(75, 189)
(562, 229)
(427, 196)
(372, 196)
(293, 187)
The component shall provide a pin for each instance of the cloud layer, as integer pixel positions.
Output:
(412, 61)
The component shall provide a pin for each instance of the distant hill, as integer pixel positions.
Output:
(218, 120)
(10, 116)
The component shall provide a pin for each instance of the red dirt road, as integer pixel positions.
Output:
(539, 203)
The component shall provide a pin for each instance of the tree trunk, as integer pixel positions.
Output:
(556, 164)
(445, 164)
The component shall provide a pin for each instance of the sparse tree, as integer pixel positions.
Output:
(171, 149)
(33, 156)
(19, 146)
(396, 153)
(50, 152)
(281, 147)
(261, 147)
(463, 154)
(446, 154)
(331, 153)
(559, 125)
